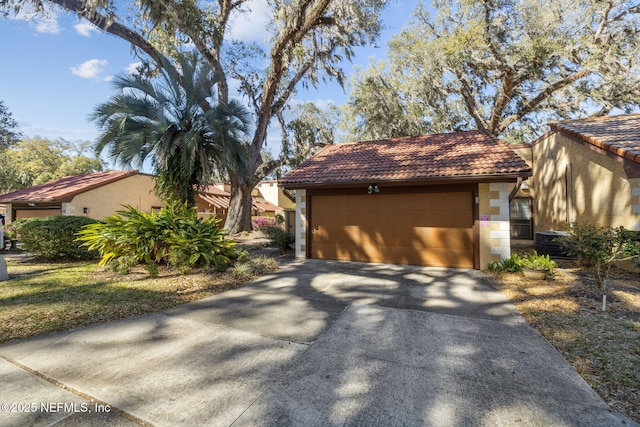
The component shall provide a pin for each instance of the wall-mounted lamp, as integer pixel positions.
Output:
(373, 188)
(85, 210)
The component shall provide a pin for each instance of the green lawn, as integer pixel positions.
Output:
(46, 297)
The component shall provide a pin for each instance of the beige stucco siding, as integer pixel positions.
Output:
(270, 191)
(576, 184)
(136, 190)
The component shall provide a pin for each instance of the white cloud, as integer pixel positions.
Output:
(251, 25)
(89, 69)
(133, 68)
(47, 25)
(85, 28)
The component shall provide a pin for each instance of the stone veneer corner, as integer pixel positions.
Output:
(301, 223)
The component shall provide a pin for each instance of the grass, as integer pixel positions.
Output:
(604, 347)
(46, 297)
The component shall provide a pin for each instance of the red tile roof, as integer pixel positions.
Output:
(617, 134)
(470, 154)
(64, 189)
(263, 205)
(215, 197)
(220, 199)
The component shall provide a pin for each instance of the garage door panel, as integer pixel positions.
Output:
(441, 218)
(441, 257)
(421, 228)
(414, 237)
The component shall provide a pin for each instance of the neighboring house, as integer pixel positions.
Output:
(95, 195)
(271, 192)
(435, 200)
(587, 171)
(214, 200)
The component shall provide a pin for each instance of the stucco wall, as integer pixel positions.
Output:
(273, 194)
(136, 190)
(576, 184)
(494, 234)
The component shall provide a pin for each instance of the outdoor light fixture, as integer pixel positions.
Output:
(373, 188)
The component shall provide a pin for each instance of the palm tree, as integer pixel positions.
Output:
(174, 121)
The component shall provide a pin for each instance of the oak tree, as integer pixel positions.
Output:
(506, 66)
(307, 42)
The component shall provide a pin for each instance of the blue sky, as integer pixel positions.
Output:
(57, 70)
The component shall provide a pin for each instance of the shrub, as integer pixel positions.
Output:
(54, 237)
(279, 238)
(262, 222)
(600, 247)
(252, 267)
(538, 262)
(174, 236)
(511, 264)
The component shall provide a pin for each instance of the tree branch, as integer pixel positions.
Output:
(470, 102)
(535, 102)
(293, 33)
(108, 26)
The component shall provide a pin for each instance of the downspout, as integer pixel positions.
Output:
(515, 189)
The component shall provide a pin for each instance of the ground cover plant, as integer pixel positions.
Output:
(604, 347)
(43, 297)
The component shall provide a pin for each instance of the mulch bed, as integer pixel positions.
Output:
(604, 347)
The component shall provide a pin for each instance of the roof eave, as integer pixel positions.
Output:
(458, 179)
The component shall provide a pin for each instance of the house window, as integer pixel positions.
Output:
(521, 218)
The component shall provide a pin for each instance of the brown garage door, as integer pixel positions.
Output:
(37, 213)
(433, 229)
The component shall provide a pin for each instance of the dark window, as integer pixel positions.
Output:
(521, 220)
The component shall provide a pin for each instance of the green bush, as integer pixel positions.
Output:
(511, 264)
(54, 237)
(538, 262)
(174, 236)
(600, 247)
(279, 238)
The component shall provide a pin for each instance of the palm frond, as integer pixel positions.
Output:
(176, 121)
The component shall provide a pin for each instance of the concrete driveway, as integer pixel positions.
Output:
(317, 343)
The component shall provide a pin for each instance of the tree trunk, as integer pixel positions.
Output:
(240, 204)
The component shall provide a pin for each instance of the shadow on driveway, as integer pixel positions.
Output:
(317, 343)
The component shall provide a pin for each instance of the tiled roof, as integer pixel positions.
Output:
(263, 205)
(64, 189)
(617, 134)
(220, 199)
(456, 155)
